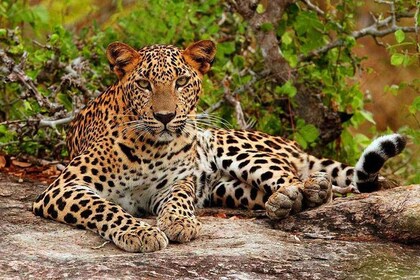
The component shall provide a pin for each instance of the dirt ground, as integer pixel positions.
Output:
(229, 248)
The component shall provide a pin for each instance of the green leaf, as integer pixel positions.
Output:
(415, 106)
(3, 129)
(267, 26)
(309, 132)
(307, 22)
(286, 89)
(286, 38)
(399, 36)
(269, 122)
(368, 116)
(239, 61)
(260, 8)
(350, 41)
(65, 100)
(54, 38)
(27, 105)
(362, 140)
(300, 140)
(397, 59)
(226, 47)
(291, 57)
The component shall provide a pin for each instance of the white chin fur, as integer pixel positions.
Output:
(165, 137)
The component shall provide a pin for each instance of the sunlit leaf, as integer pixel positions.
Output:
(399, 35)
(397, 59)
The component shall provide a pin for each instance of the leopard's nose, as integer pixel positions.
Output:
(164, 118)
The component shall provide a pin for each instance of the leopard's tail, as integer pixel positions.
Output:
(364, 176)
(366, 170)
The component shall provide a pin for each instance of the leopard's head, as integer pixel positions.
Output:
(161, 85)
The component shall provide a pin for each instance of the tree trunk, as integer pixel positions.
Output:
(309, 106)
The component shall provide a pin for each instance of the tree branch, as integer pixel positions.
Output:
(54, 123)
(15, 73)
(314, 8)
(229, 97)
(380, 28)
(214, 107)
(268, 42)
(41, 122)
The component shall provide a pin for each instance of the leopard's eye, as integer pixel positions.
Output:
(144, 84)
(182, 81)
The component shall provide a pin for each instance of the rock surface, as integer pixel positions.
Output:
(392, 214)
(249, 248)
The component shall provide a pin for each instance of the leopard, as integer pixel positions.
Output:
(138, 149)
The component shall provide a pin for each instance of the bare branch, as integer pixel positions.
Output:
(231, 99)
(313, 7)
(54, 123)
(15, 73)
(379, 28)
(214, 107)
(243, 88)
(41, 122)
(368, 31)
(4, 144)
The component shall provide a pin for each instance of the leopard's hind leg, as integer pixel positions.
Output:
(296, 196)
(279, 202)
(283, 191)
(232, 193)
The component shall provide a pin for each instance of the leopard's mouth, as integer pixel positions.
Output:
(170, 132)
(158, 131)
(165, 135)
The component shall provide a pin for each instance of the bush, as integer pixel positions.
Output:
(52, 67)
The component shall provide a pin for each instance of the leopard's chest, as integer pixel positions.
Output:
(147, 175)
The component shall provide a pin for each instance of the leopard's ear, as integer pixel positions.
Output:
(200, 55)
(122, 58)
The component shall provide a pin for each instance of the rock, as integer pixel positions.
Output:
(392, 214)
(246, 248)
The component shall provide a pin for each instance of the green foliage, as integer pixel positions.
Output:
(404, 53)
(305, 134)
(69, 67)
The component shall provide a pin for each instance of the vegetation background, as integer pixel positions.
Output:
(329, 74)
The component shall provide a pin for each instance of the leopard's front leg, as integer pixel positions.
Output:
(73, 199)
(176, 212)
(80, 206)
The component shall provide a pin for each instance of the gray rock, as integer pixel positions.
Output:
(249, 248)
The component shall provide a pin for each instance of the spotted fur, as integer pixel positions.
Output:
(136, 149)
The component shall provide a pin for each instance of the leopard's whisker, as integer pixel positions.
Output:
(212, 118)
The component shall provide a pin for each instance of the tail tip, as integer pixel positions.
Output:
(389, 145)
(374, 157)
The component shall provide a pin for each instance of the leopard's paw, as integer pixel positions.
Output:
(317, 189)
(141, 239)
(179, 229)
(283, 202)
